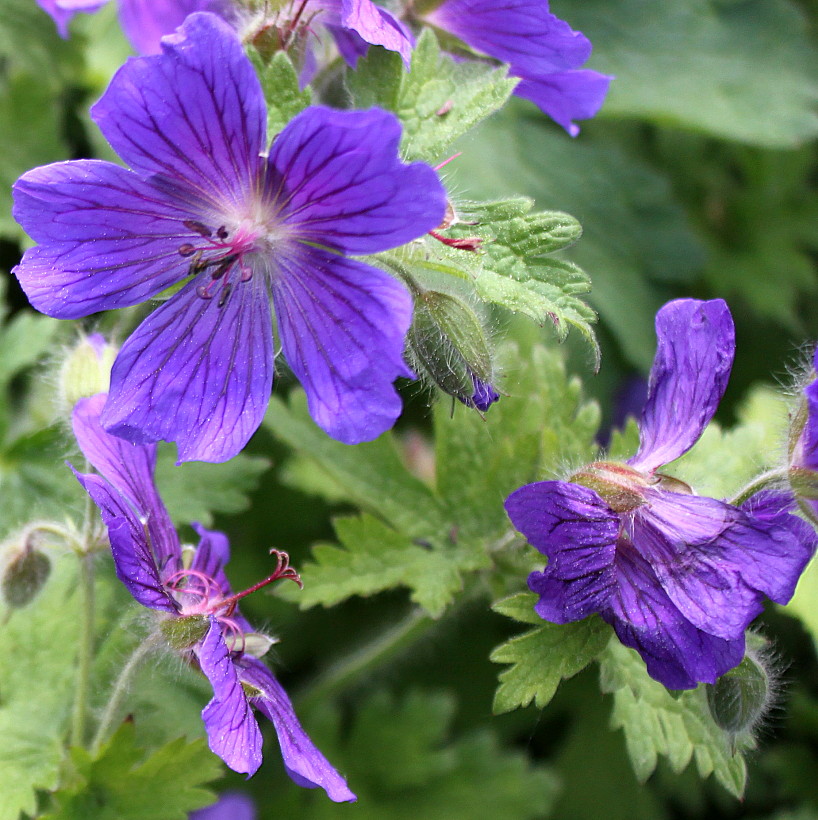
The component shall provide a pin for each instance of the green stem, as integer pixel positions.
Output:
(383, 647)
(758, 484)
(120, 689)
(86, 649)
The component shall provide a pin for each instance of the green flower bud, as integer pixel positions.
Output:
(739, 699)
(24, 575)
(185, 631)
(86, 370)
(448, 342)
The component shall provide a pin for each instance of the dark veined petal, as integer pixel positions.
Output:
(696, 344)
(129, 469)
(134, 562)
(567, 522)
(566, 95)
(562, 601)
(145, 22)
(342, 326)
(61, 11)
(304, 763)
(232, 729)
(194, 114)
(196, 373)
(107, 238)
(375, 26)
(709, 556)
(338, 180)
(522, 33)
(677, 654)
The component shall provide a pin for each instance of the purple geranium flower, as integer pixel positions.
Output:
(144, 22)
(202, 202)
(198, 610)
(230, 806)
(539, 48)
(678, 576)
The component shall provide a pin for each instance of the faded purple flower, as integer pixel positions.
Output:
(144, 22)
(198, 611)
(678, 576)
(539, 48)
(202, 203)
(229, 806)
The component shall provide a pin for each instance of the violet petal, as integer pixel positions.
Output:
(342, 326)
(194, 114)
(304, 763)
(196, 373)
(376, 26)
(232, 729)
(696, 343)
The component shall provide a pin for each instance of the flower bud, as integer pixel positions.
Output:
(24, 575)
(256, 644)
(185, 631)
(739, 699)
(448, 342)
(86, 370)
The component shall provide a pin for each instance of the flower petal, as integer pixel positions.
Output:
(342, 326)
(566, 95)
(107, 238)
(677, 654)
(696, 343)
(304, 763)
(338, 179)
(809, 438)
(232, 729)
(563, 601)
(707, 556)
(519, 32)
(196, 373)
(194, 114)
(134, 562)
(61, 11)
(129, 469)
(376, 26)
(145, 22)
(567, 522)
(230, 806)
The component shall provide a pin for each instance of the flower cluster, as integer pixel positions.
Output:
(197, 610)
(680, 577)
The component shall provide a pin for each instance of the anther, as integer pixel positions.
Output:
(222, 232)
(203, 293)
(186, 250)
(198, 227)
(225, 294)
(196, 264)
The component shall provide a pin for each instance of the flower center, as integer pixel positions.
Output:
(223, 253)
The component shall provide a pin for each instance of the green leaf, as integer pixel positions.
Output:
(373, 557)
(279, 82)
(438, 101)
(125, 783)
(543, 657)
(744, 71)
(194, 492)
(404, 762)
(657, 723)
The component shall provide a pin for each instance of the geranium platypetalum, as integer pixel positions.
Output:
(196, 608)
(202, 203)
(544, 51)
(678, 576)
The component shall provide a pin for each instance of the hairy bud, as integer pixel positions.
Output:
(448, 342)
(24, 574)
(86, 370)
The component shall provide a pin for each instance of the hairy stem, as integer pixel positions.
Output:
(369, 656)
(86, 649)
(759, 483)
(112, 708)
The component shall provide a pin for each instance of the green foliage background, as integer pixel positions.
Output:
(696, 179)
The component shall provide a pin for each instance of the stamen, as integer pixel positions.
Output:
(222, 232)
(198, 227)
(226, 290)
(203, 293)
(283, 571)
(187, 249)
(453, 156)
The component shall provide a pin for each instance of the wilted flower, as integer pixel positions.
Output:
(539, 48)
(198, 611)
(203, 205)
(678, 576)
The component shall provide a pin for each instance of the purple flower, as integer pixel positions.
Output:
(540, 48)
(144, 22)
(483, 397)
(678, 576)
(230, 806)
(197, 608)
(203, 203)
